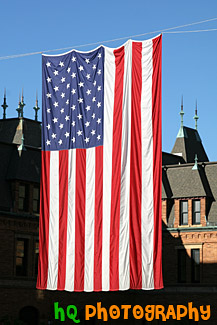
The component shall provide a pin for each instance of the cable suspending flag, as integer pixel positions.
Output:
(100, 214)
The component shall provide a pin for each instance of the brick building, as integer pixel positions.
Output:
(189, 215)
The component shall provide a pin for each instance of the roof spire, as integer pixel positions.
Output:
(195, 167)
(19, 108)
(4, 105)
(196, 116)
(181, 130)
(182, 112)
(22, 104)
(36, 108)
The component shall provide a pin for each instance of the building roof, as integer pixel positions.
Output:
(22, 165)
(12, 130)
(211, 174)
(182, 182)
(170, 159)
(25, 167)
(187, 144)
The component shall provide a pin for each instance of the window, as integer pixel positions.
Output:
(183, 212)
(36, 257)
(23, 203)
(35, 207)
(196, 212)
(195, 265)
(181, 266)
(21, 256)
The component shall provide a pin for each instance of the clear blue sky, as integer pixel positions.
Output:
(189, 60)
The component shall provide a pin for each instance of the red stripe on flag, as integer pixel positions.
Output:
(136, 170)
(44, 221)
(80, 198)
(98, 219)
(157, 158)
(63, 209)
(116, 169)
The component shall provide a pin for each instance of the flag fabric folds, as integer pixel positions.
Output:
(100, 214)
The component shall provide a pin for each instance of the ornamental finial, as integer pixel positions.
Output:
(4, 105)
(196, 116)
(19, 108)
(36, 108)
(182, 112)
(22, 104)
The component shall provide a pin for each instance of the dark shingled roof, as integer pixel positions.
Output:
(188, 143)
(184, 182)
(180, 181)
(211, 174)
(26, 167)
(12, 129)
(5, 186)
(166, 189)
(170, 159)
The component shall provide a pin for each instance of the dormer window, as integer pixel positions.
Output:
(196, 212)
(27, 197)
(23, 201)
(183, 213)
(36, 192)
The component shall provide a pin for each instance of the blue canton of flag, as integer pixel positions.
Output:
(73, 99)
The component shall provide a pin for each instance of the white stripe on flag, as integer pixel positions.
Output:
(89, 219)
(53, 246)
(147, 167)
(70, 248)
(109, 77)
(124, 267)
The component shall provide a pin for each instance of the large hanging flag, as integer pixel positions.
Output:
(100, 215)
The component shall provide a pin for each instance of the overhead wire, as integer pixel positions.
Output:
(191, 31)
(164, 31)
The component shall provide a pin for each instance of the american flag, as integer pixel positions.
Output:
(100, 215)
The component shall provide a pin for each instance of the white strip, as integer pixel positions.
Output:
(124, 262)
(147, 216)
(53, 222)
(89, 220)
(109, 84)
(70, 249)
